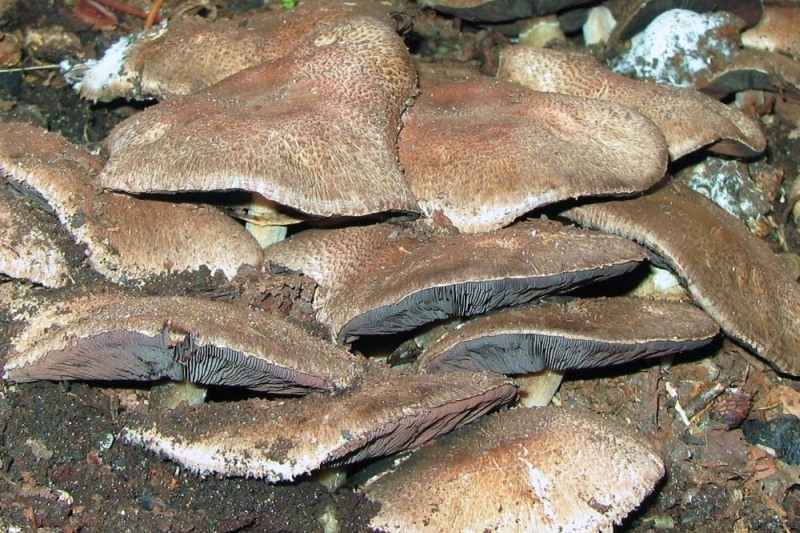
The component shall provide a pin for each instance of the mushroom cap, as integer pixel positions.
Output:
(389, 412)
(190, 53)
(123, 337)
(577, 334)
(484, 151)
(29, 244)
(127, 239)
(730, 273)
(314, 130)
(498, 10)
(545, 470)
(752, 69)
(777, 31)
(689, 120)
(410, 284)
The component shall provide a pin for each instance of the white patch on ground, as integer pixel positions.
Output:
(677, 47)
(99, 73)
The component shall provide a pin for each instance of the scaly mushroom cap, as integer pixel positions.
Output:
(730, 273)
(191, 53)
(485, 151)
(410, 284)
(498, 10)
(127, 239)
(545, 470)
(777, 31)
(121, 337)
(578, 334)
(331, 256)
(29, 244)
(315, 130)
(389, 412)
(752, 69)
(688, 119)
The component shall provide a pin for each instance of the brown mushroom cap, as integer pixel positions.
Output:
(29, 245)
(498, 10)
(752, 69)
(190, 53)
(121, 337)
(389, 412)
(688, 119)
(127, 239)
(730, 273)
(484, 151)
(544, 470)
(577, 334)
(407, 285)
(315, 130)
(778, 30)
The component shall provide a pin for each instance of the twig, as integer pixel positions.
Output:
(153, 15)
(25, 69)
(129, 10)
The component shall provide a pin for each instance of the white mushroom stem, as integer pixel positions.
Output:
(264, 233)
(331, 478)
(538, 388)
(541, 31)
(171, 394)
(598, 26)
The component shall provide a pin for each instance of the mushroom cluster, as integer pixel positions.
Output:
(418, 188)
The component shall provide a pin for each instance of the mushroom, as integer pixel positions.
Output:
(30, 247)
(124, 337)
(314, 130)
(484, 151)
(410, 282)
(544, 470)
(390, 411)
(730, 273)
(582, 333)
(498, 10)
(127, 239)
(689, 120)
(776, 31)
(190, 53)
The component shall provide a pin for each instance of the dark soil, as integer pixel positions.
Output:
(64, 468)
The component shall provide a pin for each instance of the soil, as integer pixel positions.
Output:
(63, 467)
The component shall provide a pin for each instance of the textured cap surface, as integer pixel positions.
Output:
(122, 337)
(315, 130)
(545, 470)
(389, 412)
(127, 239)
(731, 273)
(484, 151)
(689, 120)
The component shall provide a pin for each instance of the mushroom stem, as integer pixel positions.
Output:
(541, 31)
(171, 394)
(538, 388)
(331, 478)
(265, 233)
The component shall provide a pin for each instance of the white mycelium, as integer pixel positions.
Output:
(678, 47)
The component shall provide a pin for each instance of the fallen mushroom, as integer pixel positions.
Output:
(122, 337)
(314, 130)
(545, 470)
(390, 411)
(483, 152)
(688, 119)
(127, 239)
(411, 282)
(730, 273)
(577, 334)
